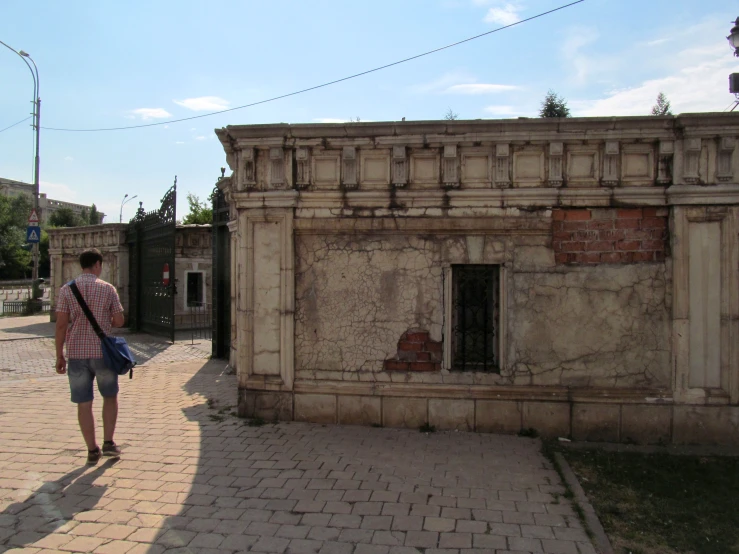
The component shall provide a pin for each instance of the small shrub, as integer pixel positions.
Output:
(426, 428)
(256, 422)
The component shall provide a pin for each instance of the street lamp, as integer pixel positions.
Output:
(733, 37)
(123, 203)
(37, 125)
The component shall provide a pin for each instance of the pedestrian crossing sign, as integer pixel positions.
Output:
(33, 234)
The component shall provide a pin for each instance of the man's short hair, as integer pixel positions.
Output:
(90, 257)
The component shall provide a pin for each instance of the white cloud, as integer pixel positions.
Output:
(576, 59)
(204, 103)
(700, 85)
(504, 13)
(442, 83)
(180, 142)
(479, 88)
(330, 120)
(57, 191)
(501, 110)
(201, 137)
(658, 41)
(68, 159)
(150, 113)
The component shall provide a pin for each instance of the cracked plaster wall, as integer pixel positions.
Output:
(604, 326)
(355, 297)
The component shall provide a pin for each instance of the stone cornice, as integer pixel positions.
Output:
(399, 202)
(695, 194)
(644, 126)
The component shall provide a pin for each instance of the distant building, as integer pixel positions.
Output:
(8, 187)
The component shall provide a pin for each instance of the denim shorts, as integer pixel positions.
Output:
(81, 374)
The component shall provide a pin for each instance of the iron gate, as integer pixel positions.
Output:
(221, 276)
(151, 241)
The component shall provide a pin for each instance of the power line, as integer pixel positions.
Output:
(14, 124)
(322, 85)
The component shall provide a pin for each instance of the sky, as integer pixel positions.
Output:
(119, 64)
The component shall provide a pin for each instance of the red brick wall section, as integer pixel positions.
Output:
(609, 236)
(416, 352)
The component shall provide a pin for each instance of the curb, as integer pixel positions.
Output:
(591, 518)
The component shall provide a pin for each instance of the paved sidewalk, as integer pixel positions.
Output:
(27, 348)
(195, 479)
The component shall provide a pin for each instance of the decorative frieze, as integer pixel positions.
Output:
(691, 160)
(610, 164)
(277, 168)
(349, 167)
(302, 177)
(451, 166)
(249, 159)
(502, 171)
(556, 153)
(725, 156)
(400, 167)
(666, 157)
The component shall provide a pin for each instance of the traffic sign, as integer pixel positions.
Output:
(33, 219)
(33, 234)
(165, 275)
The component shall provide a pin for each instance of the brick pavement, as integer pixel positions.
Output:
(195, 479)
(27, 348)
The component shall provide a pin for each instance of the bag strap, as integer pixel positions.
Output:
(91, 318)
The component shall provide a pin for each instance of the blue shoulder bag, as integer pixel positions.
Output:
(116, 354)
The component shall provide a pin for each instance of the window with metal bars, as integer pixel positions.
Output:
(475, 317)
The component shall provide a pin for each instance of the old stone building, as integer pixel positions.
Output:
(579, 276)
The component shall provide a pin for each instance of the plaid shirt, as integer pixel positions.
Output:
(103, 301)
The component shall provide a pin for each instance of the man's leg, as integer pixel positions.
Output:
(80, 384)
(110, 415)
(87, 424)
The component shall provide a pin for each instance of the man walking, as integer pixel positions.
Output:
(85, 354)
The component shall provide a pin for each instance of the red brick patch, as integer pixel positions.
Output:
(416, 352)
(613, 236)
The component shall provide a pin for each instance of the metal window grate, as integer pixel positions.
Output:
(475, 318)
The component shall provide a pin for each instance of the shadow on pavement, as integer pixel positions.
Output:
(45, 329)
(51, 505)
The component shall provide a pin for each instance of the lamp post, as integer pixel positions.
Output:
(37, 126)
(123, 203)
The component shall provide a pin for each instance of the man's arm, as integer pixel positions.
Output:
(117, 320)
(62, 322)
(116, 309)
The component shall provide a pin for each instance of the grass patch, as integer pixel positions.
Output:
(256, 422)
(661, 503)
(426, 428)
(217, 418)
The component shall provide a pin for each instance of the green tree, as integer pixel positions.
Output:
(65, 217)
(200, 212)
(662, 107)
(451, 115)
(94, 217)
(554, 106)
(14, 261)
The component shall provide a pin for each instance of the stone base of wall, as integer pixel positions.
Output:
(602, 420)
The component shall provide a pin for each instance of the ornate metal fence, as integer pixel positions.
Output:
(152, 288)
